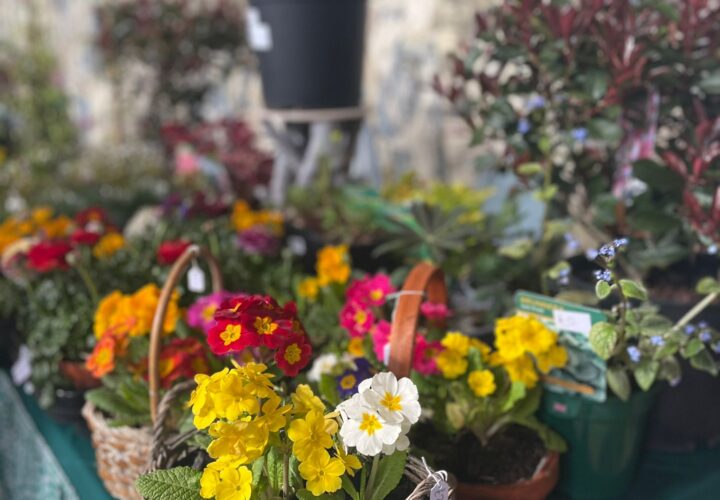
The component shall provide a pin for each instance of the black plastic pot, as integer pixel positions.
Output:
(310, 51)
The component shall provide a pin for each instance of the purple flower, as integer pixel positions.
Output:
(200, 315)
(657, 340)
(604, 275)
(703, 325)
(620, 242)
(675, 381)
(689, 329)
(607, 251)
(705, 336)
(536, 102)
(634, 353)
(591, 254)
(258, 240)
(571, 244)
(716, 347)
(579, 134)
(523, 126)
(712, 249)
(349, 380)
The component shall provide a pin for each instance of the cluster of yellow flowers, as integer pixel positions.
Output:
(121, 314)
(333, 266)
(452, 362)
(39, 221)
(108, 245)
(524, 346)
(244, 415)
(244, 217)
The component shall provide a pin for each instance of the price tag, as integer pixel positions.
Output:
(196, 279)
(572, 321)
(441, 491)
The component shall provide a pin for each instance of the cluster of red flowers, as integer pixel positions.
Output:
(89, 227)
(169, 251)
(243, 322)
(182, 358)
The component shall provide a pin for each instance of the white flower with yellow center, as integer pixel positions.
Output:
(364, 428)
(395, 400)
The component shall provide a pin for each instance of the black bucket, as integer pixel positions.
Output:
(310, 51)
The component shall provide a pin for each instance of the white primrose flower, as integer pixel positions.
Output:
(324, 364)
(395, 400)
(364, 428)
(402, 443)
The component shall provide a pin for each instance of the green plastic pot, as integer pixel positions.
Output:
(604, 441)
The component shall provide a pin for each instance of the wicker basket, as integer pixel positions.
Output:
(124, 453)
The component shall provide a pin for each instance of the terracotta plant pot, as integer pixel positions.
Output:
(80, 377)
(536, 488)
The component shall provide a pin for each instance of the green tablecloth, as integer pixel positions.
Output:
(43, 460)
(39, 458)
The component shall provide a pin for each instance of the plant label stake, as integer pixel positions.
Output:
(196, 279)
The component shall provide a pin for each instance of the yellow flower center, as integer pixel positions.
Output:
(391, 402)
(231, 334)
(360, 317)
(376, 294)
(370, 424)
(265, 325)
(348, 382)
(292, 354)
(209, 312)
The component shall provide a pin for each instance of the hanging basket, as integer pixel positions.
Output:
(427, 282)
(124, 453)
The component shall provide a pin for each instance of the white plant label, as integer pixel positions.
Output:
(577, 322)
(259, 34)
(297, 245)
(441, 491)
(22, 368)
(196, 279)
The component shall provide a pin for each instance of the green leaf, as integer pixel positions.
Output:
(546, 194)
(602, 289)
(516, 393)
(389, 473)
(455, 415)
(633, 290)
(692, 348)
(304, 494)
(619, 382)
(478, 136)
(328, 389)
(274, 467)
(645, 374)
(705, 362)
(113, 403)
(528, 169)
(605, 130)
(603, 338)
(707, 286)
(517, 249)
(349, 488)
(179, 483)
(257, 471)
(658, 177)
(711, 83)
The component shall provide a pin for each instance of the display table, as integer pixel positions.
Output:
(39, 458)
(43, 460)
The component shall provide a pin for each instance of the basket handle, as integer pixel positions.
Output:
(176, 272)
(424, 279)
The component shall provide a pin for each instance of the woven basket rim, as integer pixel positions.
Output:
(97, 420)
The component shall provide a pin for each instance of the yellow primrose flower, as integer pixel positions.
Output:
(309, 288)
(456, 341)
(482, 347)
(57, 227)
(225, 479)
(537, 337)
(244, 440)
(105, 313)
(523, 370)
(332, 265)
(108, 245)
(482, 382)
(451, 363)
(509, 345)
(304, 401)
(233, 399)
(41, 214)
(201, 400)
(311, 434)
(257, 382)
(356, 347)
(273, 415)
(555, 357)
(351, 462)
(322, 473)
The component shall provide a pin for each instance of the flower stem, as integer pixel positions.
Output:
(373, 473)
(88, 282)
(286, 474)
(697, 309)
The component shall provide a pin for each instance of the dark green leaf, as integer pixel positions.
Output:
(705, 362)
(180, 483)
(645, 373)
(619, 382)
(389, 473)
